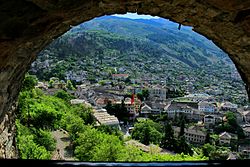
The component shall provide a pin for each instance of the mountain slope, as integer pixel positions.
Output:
(128, 35)
(152, 48)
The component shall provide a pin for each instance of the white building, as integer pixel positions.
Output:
(192, 135)
(207, 107)
(146, 110)
(191, 113)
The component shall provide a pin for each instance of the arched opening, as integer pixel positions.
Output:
(109, 43)
(29, 26)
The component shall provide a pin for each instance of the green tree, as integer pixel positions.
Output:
(220, 153)
(230, 125)
(86, 143)
(28, 149)
(182, 126)
(183, 146)
(85, 113)
(63, 95)
(108, 150)
(208, 138)
(110, 130)
(110, 108)
(29, 82)
(231, 119)
(119, 110)
(168, 140)
(40, 110)
(147, 131)
(39, 114)
(145, 94)
(51, 83)
(69, 85)
(207, 149)
(140, 96)
(214, 138)
(45, 138)
(75, 125)
(122, 113)
(215, 152)
(131, 153)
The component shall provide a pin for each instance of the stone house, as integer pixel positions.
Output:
(226, 138)
(209, 121)
(228, 106)
(145, 110)
(207, 107)
(191, 113)
(244, 150)
(192, 135)
(157, 91)
(246, 116)
(246, 130)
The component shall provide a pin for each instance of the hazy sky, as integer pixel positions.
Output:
(135, 16)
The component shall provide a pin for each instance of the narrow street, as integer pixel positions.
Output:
(63, 148)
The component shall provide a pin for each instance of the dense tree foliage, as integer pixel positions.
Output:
(63, 95)
(143, 95)
(33, 145)
(147, 131)
(93, 145)
(168, 140)
(118, 110)
(39, 110)
(40, 114)
(230, 125)
(29, 82)
(97, 146)
(70, 85)
(215, 152)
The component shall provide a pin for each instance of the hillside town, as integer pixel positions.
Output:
(204, 114)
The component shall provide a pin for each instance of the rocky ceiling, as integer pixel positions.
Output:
(27, 26)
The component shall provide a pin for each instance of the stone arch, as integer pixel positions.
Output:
(27, 26)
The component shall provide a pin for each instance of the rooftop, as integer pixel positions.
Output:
(191, 131)
(104, 118)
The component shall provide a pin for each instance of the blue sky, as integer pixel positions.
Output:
(135, 16)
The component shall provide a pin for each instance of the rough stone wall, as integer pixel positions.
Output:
(7, 136)
(27, 26)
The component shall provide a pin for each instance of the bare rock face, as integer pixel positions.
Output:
(7, 135)
(27, 26)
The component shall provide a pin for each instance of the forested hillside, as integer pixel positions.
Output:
(153, 48)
